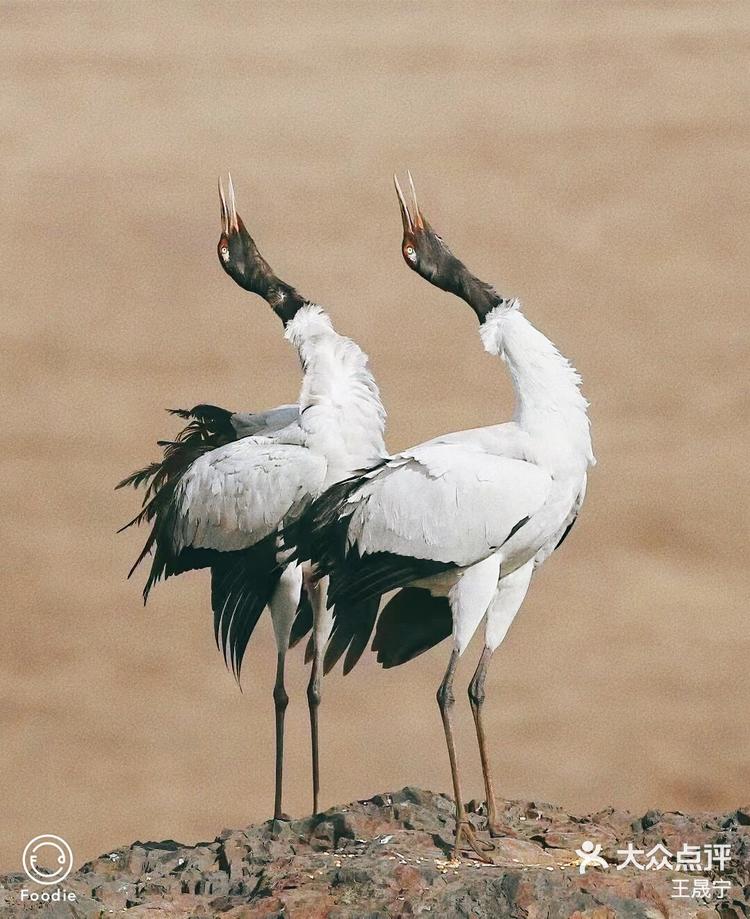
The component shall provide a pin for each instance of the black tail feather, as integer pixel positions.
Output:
(139, 477)
(412, 622)
(352, 627)
(361, 639)
(242, 584)
(209, 427)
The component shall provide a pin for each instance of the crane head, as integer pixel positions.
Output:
(426, 253)
(423, 250)
(238, 254)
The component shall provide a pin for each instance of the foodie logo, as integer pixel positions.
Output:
(47, 859)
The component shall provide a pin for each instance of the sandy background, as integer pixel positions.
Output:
(591, 158)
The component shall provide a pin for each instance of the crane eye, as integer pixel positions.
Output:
(411, 253)
(224, 253)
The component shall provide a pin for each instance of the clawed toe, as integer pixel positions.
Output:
(484, 844)
(500, 830)
(480, 847)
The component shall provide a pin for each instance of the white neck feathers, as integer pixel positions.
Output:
(340, 408)
(549, 402)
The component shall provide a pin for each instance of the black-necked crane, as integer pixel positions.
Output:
(230, 481)
(460, 522)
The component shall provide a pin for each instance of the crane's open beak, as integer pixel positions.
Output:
(410, 223)
(230, 221)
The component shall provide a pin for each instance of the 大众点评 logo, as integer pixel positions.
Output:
(710, 858)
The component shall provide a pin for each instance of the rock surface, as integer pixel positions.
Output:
(389, 856)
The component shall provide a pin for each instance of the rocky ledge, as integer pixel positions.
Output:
(389, 856)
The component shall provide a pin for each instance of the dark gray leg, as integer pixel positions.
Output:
(281, 700)
(313, 701)
(476, 699)
(464, 829)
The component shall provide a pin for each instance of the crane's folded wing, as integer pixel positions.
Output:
(224, 514)
(507, 439)
(442, 503)
(234, 496)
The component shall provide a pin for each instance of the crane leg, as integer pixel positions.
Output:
(509, 595)
(313, 702)
(464, 829)
(283, 606)
(476, 700)
(322, 623)
(281, 700)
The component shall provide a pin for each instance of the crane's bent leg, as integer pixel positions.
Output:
(283, 607)
(322, 624)
(510, 594)
(446, 700)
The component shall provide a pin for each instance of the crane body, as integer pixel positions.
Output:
(231, 480)
(458, 524)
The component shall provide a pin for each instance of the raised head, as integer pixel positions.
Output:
(240, 258)
(426, 253)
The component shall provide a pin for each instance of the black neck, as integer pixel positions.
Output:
(283, 300)
(280, 296)
(480, 296)
(256, 275)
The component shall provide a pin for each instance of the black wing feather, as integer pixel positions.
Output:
(320, 534)
(564, 536)
(242, 582)
(358, 578)
(356, 582)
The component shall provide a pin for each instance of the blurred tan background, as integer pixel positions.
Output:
(589, 157)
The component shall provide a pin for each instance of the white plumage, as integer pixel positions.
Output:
(431, 502)
(236, 495)
(341, 416)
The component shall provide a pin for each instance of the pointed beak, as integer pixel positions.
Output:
(224, 212)
(230, 221)
(418, 219)
(405, 216)
(410, 223)
(234, 221)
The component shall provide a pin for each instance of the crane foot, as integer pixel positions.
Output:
(466, 831)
